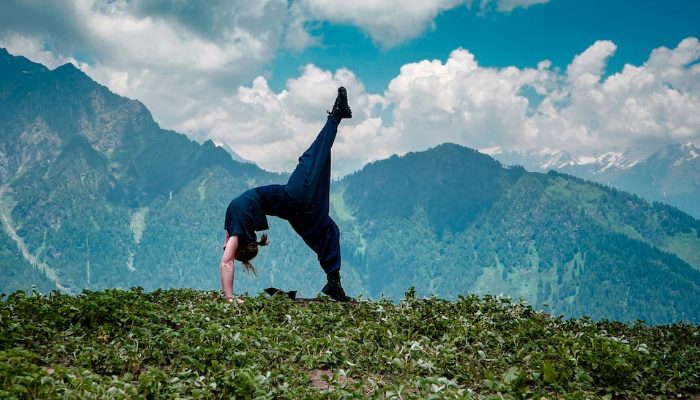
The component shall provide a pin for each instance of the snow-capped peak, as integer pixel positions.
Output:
(688, 146)
(547, 159)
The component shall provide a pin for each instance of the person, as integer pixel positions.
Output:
(303, 202)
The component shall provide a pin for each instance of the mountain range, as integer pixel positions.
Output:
(94, 195)
(670, 175)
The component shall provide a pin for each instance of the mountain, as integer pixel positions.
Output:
(234, 155)
(85, 174)
(461, 222)
(94, 194)
(670, 175)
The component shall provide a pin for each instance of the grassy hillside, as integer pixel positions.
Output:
(190, 344)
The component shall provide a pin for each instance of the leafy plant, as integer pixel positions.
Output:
(189, 344)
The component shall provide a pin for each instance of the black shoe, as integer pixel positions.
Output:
(341, 109)
(335, 292)
(334, 289)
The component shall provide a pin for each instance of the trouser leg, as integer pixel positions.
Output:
(324, 239)
(309, 190)
(313, 170)
(333, 287)
(329, 257)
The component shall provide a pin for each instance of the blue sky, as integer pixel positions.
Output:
(488, 74)
(555, 31)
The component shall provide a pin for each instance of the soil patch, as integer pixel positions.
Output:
(317, 381)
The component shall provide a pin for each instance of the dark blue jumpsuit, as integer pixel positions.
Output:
(304, 200)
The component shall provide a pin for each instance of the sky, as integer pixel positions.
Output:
(585, 76)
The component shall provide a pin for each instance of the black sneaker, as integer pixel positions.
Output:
(335, 292)
(341, 109)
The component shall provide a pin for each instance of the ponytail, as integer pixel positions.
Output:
(248, 252)
(263, 240)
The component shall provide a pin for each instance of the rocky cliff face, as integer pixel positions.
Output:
(44, 110)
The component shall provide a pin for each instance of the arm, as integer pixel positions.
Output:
(227, 268)
(226, 240)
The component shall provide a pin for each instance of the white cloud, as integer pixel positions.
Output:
(589, 66)
(297, 37)
(391, 22)
(176, 57)
(462, 102)
(198, 74)
(387, 22)
(274, 129)
(510, 5)
(649, 104)
(34, 50)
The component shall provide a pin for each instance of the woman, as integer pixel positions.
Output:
(303, 201)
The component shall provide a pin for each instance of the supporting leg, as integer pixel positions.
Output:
(324, 239)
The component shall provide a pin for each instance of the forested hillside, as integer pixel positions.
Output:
(94, 195)
(580, 247)
(17, 273)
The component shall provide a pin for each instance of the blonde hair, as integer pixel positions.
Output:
(248, 252)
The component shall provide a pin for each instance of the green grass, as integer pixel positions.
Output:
(202, 190)
(341, 209)
(523, 280)
(564, 188)
(589, 198)
(685, 246)
(190, 344)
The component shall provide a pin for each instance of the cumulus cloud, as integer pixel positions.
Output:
(581, 111)
(387, 22)
(392, 22)
(273, 129)
(176, 57)
(460, 101)
(650, 104)
(588, 66)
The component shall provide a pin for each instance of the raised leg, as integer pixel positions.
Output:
(313, 169)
